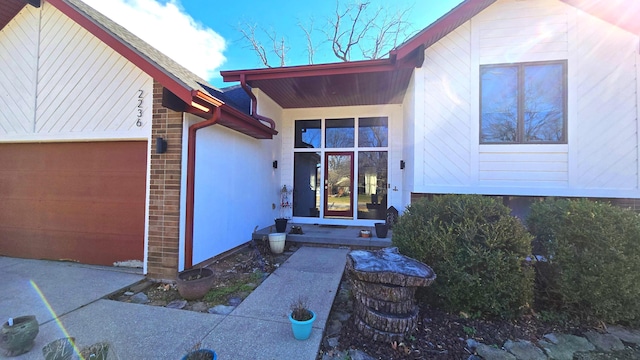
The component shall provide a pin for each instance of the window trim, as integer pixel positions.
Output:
(520, 101)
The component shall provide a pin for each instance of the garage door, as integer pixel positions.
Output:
(76, 201)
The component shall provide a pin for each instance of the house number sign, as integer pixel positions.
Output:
(139, 109)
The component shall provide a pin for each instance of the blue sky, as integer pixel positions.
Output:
(205, 36)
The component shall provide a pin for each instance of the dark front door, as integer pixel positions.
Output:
(338, 184)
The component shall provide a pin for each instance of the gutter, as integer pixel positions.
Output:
(191, 172)
(254, 103)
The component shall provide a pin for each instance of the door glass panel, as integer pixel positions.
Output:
(338, 185)
(339, 133)
(306, 184)
(373, 132)
(372, 184)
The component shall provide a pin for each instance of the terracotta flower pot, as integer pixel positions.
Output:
(194, 283)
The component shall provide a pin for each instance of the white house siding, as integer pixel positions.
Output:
(607, 109)
(410, 107)
(61, 83)
(447, 137)
(18, 63)
(230, 188)
(601, 157)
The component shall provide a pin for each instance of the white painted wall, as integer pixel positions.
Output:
(411, 140)
(601, 157)
(233, 183)
(58, 82)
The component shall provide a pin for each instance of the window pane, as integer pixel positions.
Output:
(499, 104)
(372, 132)
(544, 103)
(306, 184)
(307, 134)
(372, 184)
(339, 133)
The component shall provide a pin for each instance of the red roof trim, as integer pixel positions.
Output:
(441, 27)
(144, 64)
(353, 67)
(239, 121)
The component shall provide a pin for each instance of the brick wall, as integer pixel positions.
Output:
(164, 193)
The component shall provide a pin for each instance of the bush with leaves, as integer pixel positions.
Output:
(477, 250)
(593, 252)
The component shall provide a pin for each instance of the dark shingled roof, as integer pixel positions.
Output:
(177, 71)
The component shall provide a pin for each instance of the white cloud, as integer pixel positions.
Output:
(168, 28)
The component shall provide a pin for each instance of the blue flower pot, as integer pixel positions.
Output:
(302, 329)
(201, 352)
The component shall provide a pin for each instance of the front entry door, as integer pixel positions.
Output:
(338, 184)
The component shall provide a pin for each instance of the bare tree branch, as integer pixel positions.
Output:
(373, 32)
(280, 48)
(311, 49)
(249, 34)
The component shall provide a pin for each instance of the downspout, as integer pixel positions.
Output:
(191, 172)
(254, 103)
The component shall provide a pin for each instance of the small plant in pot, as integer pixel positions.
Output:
(301, 318)
(199, 353)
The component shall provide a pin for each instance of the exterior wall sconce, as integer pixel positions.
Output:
(402, 164)
(275, 164)
(161, 145)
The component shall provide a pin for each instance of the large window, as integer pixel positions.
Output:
(523, 103)
(340, 168)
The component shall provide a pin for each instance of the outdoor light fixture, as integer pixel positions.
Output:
(401, 164)
(161, 145)
(275, 164)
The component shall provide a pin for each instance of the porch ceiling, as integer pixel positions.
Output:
(9, 9)
(370, 82)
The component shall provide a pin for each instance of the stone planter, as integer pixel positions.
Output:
(18, 337)
(63, 348)
(194, 283)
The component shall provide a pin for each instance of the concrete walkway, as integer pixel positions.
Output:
(257, 329)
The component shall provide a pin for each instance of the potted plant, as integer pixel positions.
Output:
(199, 353)
(381, 230)
(285, 205)
(194, 283)
(301, 319)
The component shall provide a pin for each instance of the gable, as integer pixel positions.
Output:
(59, 81)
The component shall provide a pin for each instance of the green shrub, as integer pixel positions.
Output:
(477, 250)
(593, 267)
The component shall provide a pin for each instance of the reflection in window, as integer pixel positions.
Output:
(307, 134)
(306, 184)
(372, 184)
(339, 133)
(373, 132)
(523, 103)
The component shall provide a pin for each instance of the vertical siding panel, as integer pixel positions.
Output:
(85, 88)
(607, 118)
(18, 58)
(446, 129)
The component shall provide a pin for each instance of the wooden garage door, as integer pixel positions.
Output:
(78, 201)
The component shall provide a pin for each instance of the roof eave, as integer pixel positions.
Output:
(441, 27)
(354, 67)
